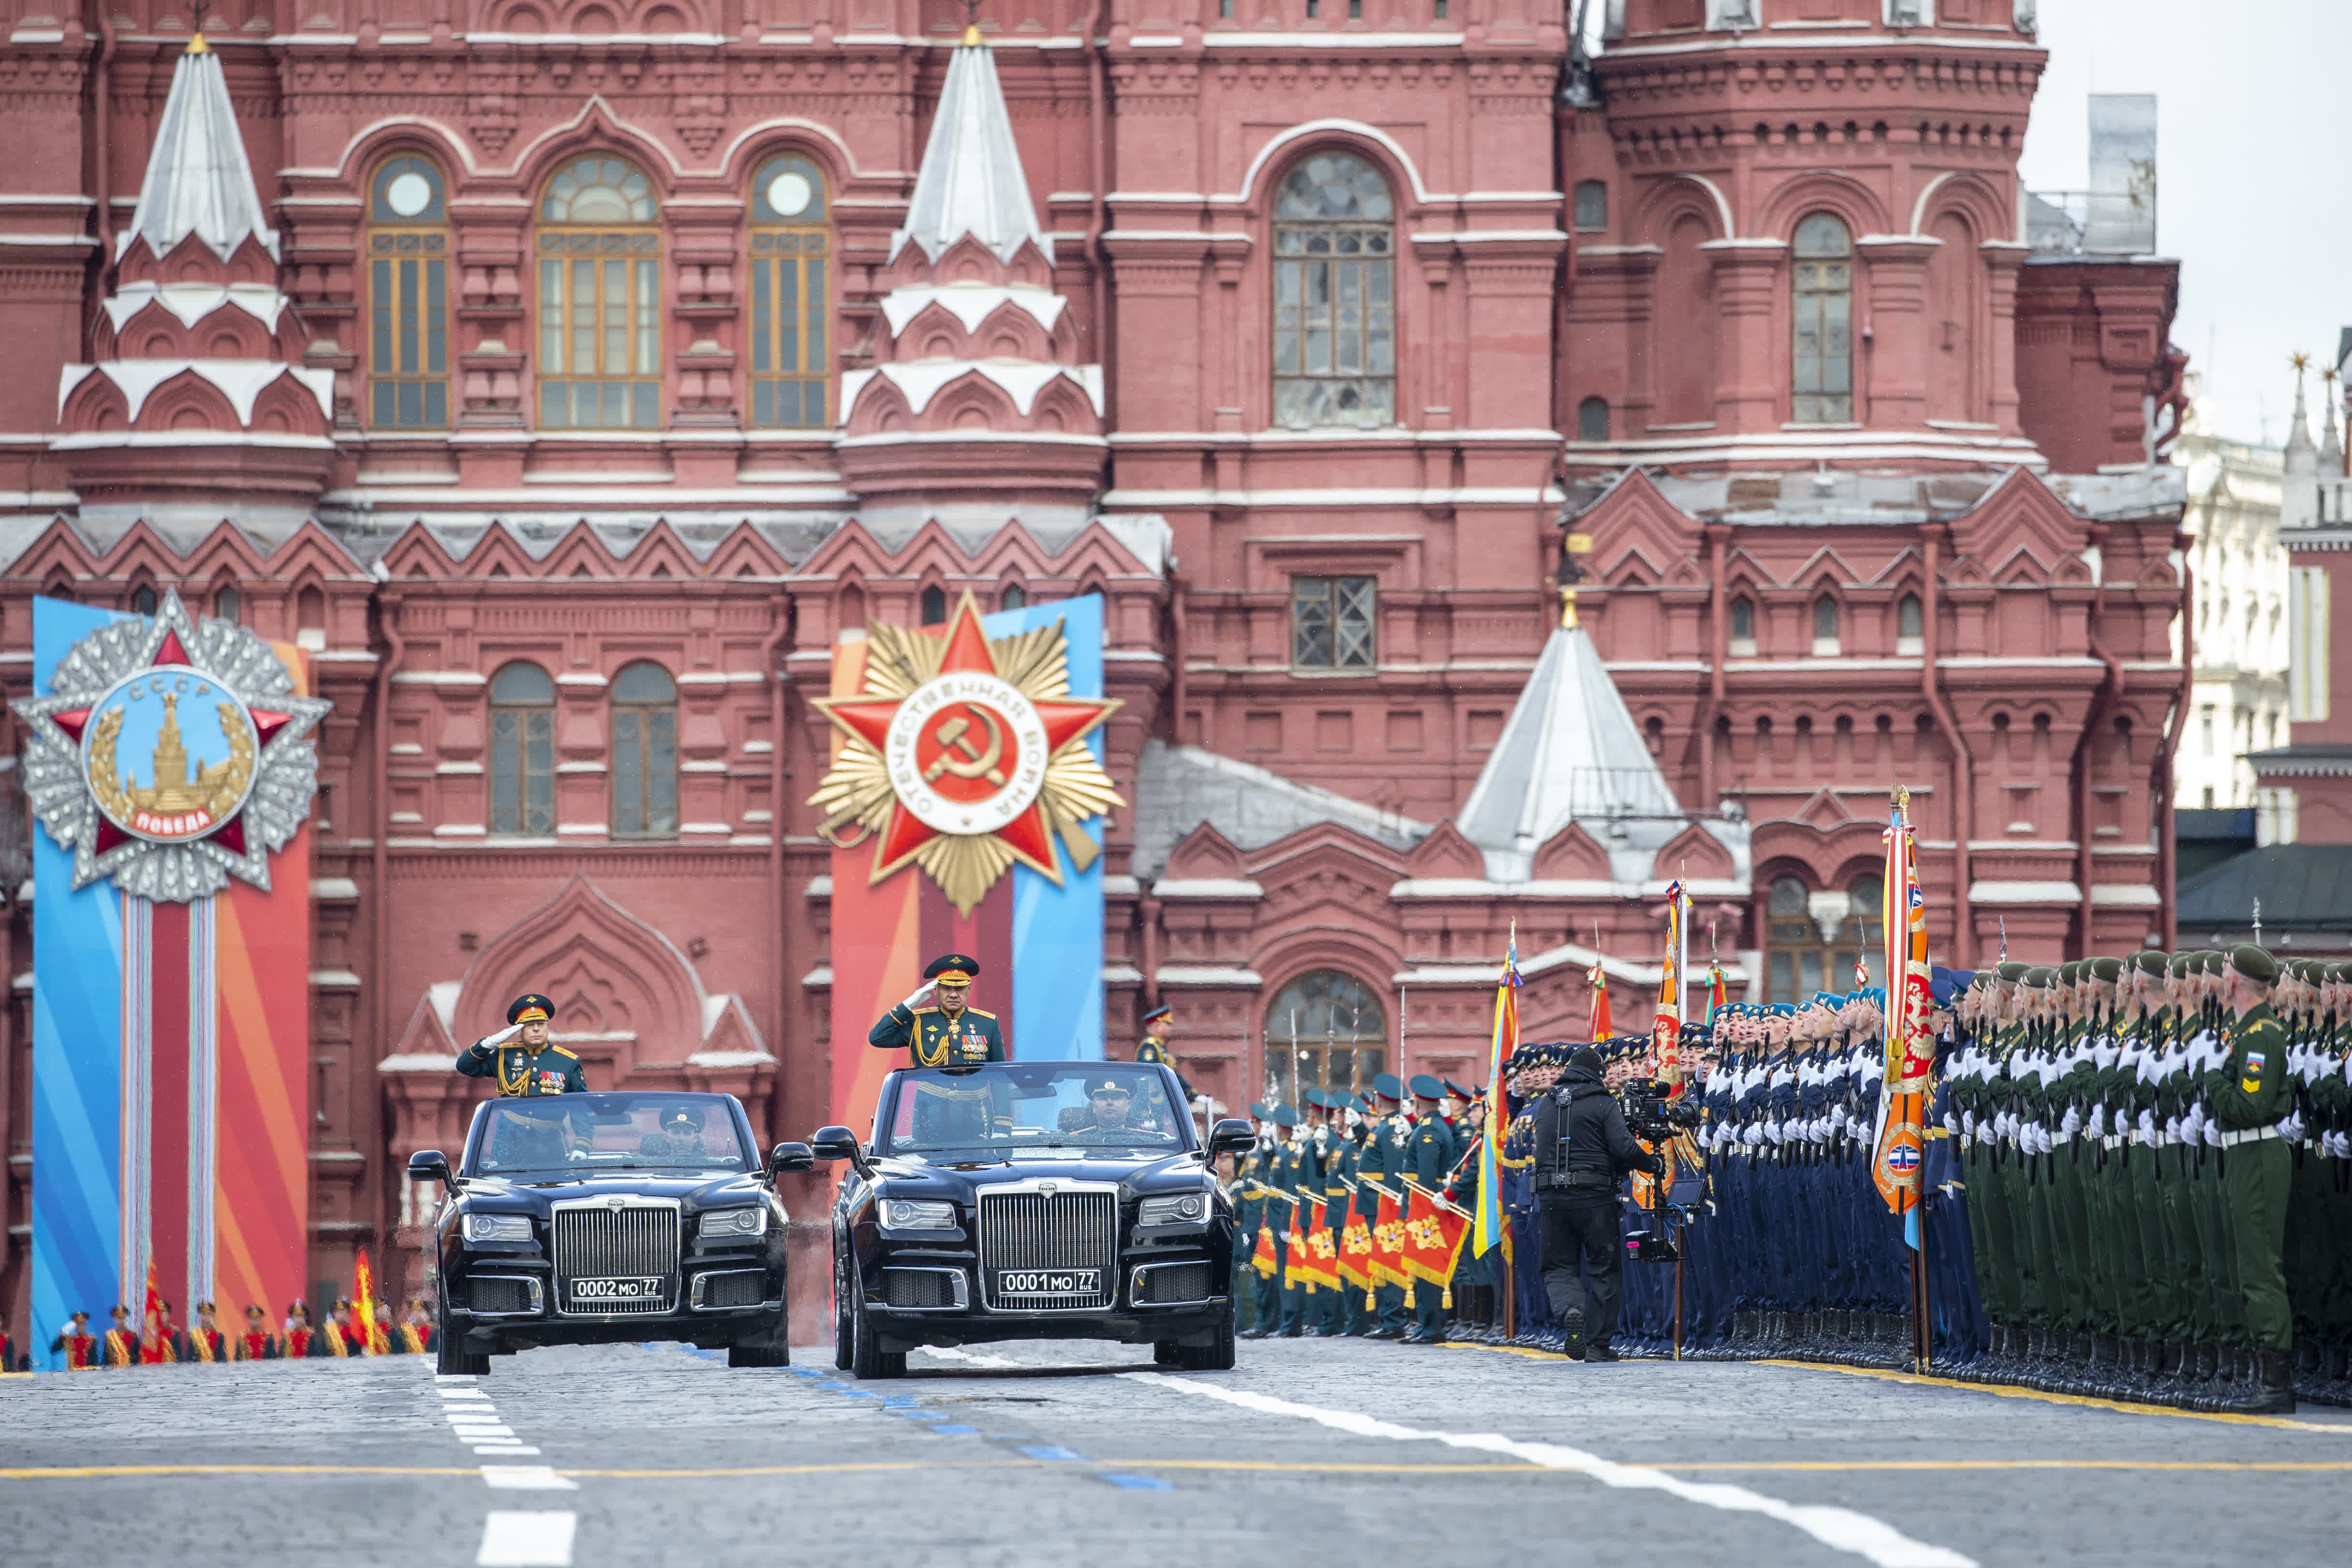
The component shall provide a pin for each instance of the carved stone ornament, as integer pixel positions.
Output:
(171, 755)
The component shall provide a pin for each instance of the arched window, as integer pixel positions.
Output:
(522, 749)
(934, 611)
(1592, 419)
(790, 246)
(1743, 627)
(1825, 627)
(143, 600)
(1811, 938)
(1822, 378)
(408, 297)
(1910, 627)
(228, 605)
(645, 752)
(599, 299)
(1014, 598)
(1325, 1030)
(1334, 294)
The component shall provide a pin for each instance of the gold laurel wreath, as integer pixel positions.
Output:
(112, 786)
(857, 789)
(105, 780)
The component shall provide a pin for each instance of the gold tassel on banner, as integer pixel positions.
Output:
(1408, 1292)
(1447, 1302)
(1371, 1300)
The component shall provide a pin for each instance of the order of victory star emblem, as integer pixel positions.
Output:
(964, 755)
(170, 757)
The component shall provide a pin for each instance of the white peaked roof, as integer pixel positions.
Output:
(1571, 752)
(198, 180)
(971, 180)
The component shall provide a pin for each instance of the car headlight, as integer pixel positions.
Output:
(497, 1227)
(722, 1224)
(917, 1213)
(1184, 1208)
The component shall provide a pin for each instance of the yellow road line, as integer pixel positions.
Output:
(113, 1472)
(2009, 1390)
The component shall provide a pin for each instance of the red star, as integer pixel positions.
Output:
(868, 718)
(230, 834)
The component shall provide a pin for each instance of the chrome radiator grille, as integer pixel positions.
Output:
(1058, 1230)
(600, 1243)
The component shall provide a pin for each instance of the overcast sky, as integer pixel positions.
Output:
(2250, 191)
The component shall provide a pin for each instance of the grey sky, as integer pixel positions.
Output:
(2249, 191)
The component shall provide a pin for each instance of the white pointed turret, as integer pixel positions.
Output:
(2331, 446)
(1571, 753)
(2301, 458)
(199, 179)
(971, 180)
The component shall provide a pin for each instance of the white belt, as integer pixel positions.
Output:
(2059, 1138)
(2109, 1142)
(2249, 1135)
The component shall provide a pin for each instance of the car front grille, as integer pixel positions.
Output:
(1049, 1230)
(502, 1293)
(920, 1288)
(1170, 1284)
(601, 1243)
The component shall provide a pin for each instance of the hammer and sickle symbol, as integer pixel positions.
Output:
(954, 734)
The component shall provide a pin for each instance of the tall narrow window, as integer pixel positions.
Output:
(1592, 419)
(1910, 628)
(934, 606)
(791, 262)
(142, 600)
(1825, 627)
(408, 297)
(599, 299)
(1334, 300)
(522, 750)
(228, 605)
(1823, 366)
(645, 752)
(2306, 638)
(1743, 627)
(1591, 205)
(1331, 623)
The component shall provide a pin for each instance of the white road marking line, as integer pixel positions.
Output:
(526, 1479)
(505, 1450)
(1841, 1528)
(475, 1434)
(448, 1378)
(527, 1541)
(945, 1354)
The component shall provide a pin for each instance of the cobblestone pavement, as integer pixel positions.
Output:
(1043, 1455)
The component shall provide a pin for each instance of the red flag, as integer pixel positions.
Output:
(1910, 1050)
(153, 1348)
(372, 1334)
(1388, 1243)
(1263, 1259)
(1602, 1027)
(1433, 1233)
(1356, 1252)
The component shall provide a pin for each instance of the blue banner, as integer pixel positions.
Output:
(1058, 932)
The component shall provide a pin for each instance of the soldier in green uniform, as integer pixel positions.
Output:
(1153, 1047)
(2250, 1096)
(1383, 1166)
(1249, 1208)
(519, 1056)
(950, 1032)
(1429, 1150)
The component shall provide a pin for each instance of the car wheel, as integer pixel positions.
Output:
(1214, 1357)
(867, 1359)
(1166, 1353)
(450, 1358)
(758, 1355)
(842, 1329)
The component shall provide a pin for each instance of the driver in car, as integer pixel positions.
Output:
(1109, 1115)
(680, 1138)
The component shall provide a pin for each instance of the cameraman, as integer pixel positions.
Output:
(1583, 1149)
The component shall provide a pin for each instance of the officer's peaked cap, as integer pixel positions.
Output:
(1388, 1087)
(1286, 1115)
(955, 964)
(1319, 1099)
(529, 1008)
(1162, 1011)
(1424, 1087)
(1457, 1091)
(1259, 1109)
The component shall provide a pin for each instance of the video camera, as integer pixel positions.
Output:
(1656, 1242)
(1650, 1115)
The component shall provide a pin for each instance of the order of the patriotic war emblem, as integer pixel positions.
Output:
(171, 755)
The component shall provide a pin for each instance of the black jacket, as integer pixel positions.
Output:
(1599, 1143)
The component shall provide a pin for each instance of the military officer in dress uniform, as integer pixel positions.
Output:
(1153, 1047)
(949, 1032)
(2250, 1094)
(519, 1056)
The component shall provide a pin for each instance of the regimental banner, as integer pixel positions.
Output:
(170, 766)
(962, 754)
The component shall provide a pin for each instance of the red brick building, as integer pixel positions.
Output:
(569, 376)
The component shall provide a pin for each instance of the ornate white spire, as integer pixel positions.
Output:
(971, 180)
(198, 180)
(2301, 456)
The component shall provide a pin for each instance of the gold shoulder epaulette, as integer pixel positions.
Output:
(919, 1011)
(560, 1051)
(979, 1012)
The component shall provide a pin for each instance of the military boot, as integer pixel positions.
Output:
(2268, 1389)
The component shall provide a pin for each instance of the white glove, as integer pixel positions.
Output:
(492, 1042)
(2292, 1128)
(915, 998)
(2072, 1122)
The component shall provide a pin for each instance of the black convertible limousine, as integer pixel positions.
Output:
(1031, 1200)
(596, 1218)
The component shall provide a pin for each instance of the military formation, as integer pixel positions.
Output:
(159, 1341)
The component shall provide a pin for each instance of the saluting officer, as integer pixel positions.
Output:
(948, 1033)
(519, 1056)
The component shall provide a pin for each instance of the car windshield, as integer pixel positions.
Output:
(582, 1135)
(1073, 1108)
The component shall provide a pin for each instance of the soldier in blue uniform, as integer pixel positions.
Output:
(1383, 1167)
(521, 1057)
(950, 1032)
(1429, 1153)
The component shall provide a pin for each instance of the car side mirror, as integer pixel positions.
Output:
(1231, 1136)
(789, 1158)
(837, 1143)
(431, 1165)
